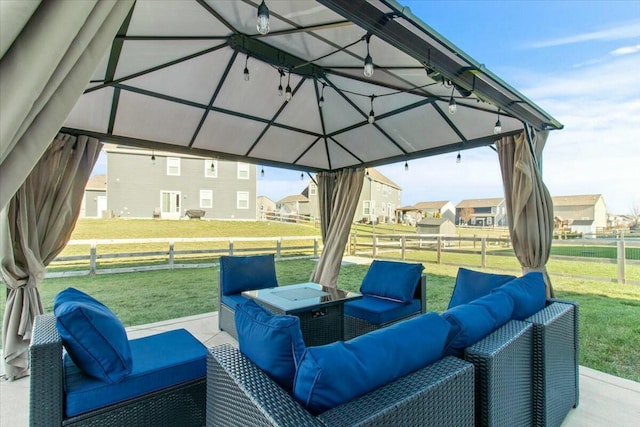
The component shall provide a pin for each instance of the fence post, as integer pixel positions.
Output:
(483, 251)
(278, 247)
(439, 250)
(92, 258)
(171, 247)
(315, 247)
(403, 241)
(375, 247)
(621, 260)
(355, 242)
(230, 247)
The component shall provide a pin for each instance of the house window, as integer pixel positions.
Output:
(206, 198)
(243, 170)
(369, 207)
(173, 166)
(170, 202)
(378, 187)
(312, 190)
(385, 190)
(211, 168)
(242, 200)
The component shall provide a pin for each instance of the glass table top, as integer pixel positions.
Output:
(301, 296)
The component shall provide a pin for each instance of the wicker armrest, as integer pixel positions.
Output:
(240, 394)
(555, 362)
(46, 394)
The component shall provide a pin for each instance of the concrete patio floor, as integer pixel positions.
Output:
(605, 400)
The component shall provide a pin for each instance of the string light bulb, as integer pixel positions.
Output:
(301, 176)
(321, 100)
(153, 158)
(406, 166)
(458, 158)
(368, 61)
(453, 107)
(497, 128)
(246, 70)
(288, 94)
(263, 19)
(372, 116)
(262, 172)
(213, 165)
(280, 90)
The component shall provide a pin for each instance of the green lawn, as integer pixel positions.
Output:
(609, 312)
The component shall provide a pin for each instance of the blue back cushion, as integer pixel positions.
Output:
(472, 284)
(245, 273)
(336, 373)
(472, 322)
(528, 293)
(92, 335)
(273, 342)
(393, 280)
(161, 360)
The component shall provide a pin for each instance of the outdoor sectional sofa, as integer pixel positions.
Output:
(524, 372)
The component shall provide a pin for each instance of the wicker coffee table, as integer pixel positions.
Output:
(320, 308)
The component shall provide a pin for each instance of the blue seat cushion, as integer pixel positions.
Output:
(273, 342)
(336, 373)
(245, 273)
(159, 361)
(528, 293)
(233, 300)
(471, 284)
(379, 311)
(93, 336)
(393, 280)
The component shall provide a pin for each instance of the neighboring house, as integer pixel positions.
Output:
(94, 202)
(584, 213)
(378, 198)
(264, 206)
(148, 184)
(619, 221)
(436, 226)
(439, 209)
(296, 204)
(482, 212)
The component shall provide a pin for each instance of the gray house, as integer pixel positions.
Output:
(94, 202)
(153, 184)
(585, 213)
(378, 199)
(482, 212)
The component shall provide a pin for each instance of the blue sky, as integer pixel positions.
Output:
(578, 60)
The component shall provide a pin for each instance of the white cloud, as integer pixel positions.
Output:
(626, 50)
(616, 32)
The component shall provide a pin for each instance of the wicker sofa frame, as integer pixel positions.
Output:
(240, 394)
(180, 405)
(354, 327)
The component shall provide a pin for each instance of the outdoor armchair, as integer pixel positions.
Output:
(238, 274)
(392, 292)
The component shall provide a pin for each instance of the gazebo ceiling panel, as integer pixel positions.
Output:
(177, 69)
(144, 117)
(228, 133)
(192, 80)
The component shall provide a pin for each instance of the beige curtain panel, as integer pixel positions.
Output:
(338, 194)
(529, 204)
(36, 226)
(51, 50)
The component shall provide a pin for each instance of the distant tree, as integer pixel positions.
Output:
(635, 215)
(466, 214)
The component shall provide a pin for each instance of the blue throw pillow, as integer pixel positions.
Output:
(245, 273)
(336, 373)
(528, 293)
(472, 284)
(273, 342)
(394, 280)
(469, 324)
(92, 335)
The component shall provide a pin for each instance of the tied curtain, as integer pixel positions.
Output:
(49, 51)
(338, 195)
(529, 204)
(36, 226)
